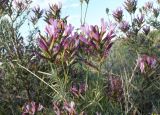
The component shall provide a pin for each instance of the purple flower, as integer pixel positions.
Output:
(56, 7)
(115, 88)
(52, 28)
(31, 108)
(103, 26)
(124, 26)
(97, 39)
(130, 5)
(94, 33)
(82, 88)
(146, 29)
(38, 12)
(68, 30)
(75, 38)
(4, 3)
(107, 49)
(83, 39)
(56, 27)
(78, 89)
(43, 44)
(156, 12)
(111, 34)
(85, 29)
(140, 20)
(144, 61)
(70, 107)
(118, 14)
(20, 5)
(91, 32)
(141, 64)
(148, 5)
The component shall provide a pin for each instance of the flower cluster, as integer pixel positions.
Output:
(115, 88)
(156, 12)
(3, 3)
(146, 61)
(118, 14)
(3, 6)
(98, 40)
(148, 5)
(20, 5)
(130, 5)
(60, 39)
(65, 108)
(37, 14)
(139, 20)
(146, 30)
(53, 12)
(78, 89)
(30, 108)
(124, 26)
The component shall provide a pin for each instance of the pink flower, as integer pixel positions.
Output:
(43, 44)
(78, 89)
(20, 5)
(124, 26)
(70, 107)
(146, 30)
(141, 63)
(148, 5)
(83, 39)
(130, 5)
(156, 12)
(115, 88)
(140, 20)
(52, 28)
(68, 30)
(118, 14)
(103, 26)
(111, 34)
(37, 11)
(31, 108)
(144, 61)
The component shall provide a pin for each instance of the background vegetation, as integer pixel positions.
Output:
(112, 68)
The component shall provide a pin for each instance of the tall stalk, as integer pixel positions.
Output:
(85, 14)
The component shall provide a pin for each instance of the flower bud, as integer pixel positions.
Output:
(124, 26)
(155, 12)
(130, 5)
(118, 14)
(146, 30)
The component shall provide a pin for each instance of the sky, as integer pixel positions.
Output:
(96, 9)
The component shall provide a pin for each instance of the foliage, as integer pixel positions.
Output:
(108, 69)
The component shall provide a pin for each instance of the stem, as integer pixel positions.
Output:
(108, 18)
(42, 80)
(13, 39)
(85, 15)
(64, 70)
(81, 13)
(131, 19)
(133, 72)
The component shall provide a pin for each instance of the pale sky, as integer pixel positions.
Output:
(72, 8)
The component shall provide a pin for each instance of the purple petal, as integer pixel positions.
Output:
(103, 25)
(83, 39)
(43, 44)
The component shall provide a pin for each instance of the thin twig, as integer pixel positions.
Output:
(41, 80)
(133, 73)
(85, 14)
